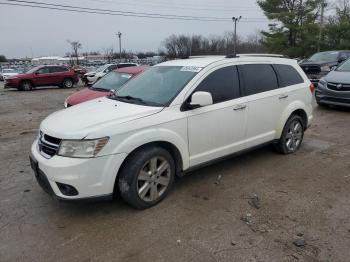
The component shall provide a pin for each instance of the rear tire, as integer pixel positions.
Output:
(26, 86)
(146, 177)
(67, 83)
(292, 135)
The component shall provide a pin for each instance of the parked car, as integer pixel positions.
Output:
(334, 88)
(43, 76)
(7, 72)
(112, 81)
(320, 64)
(172, 118)
(92, 77)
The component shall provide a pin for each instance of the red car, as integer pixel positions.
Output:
(112, 81)
(60, 76)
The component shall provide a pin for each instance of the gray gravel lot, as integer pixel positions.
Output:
(303, 196)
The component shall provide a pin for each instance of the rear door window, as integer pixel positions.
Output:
(222, 84)
(287, 75)
(257, 78)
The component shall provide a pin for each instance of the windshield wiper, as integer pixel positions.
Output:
(99, 89)
(130, 98)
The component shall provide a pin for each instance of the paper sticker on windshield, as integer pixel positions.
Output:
(126, 76)
(191, 69)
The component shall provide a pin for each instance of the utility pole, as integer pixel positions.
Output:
(119, 34)
(235, 20)
(320, 36)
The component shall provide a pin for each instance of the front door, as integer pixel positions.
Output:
(218, 129)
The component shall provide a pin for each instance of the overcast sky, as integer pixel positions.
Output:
(25, 31)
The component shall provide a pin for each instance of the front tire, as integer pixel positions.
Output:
(146, 177)
(26, 86)
(292, 135)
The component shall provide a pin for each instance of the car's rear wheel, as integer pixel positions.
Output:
(146, 177)
(26, 86)
(292, 135)
(67, 83)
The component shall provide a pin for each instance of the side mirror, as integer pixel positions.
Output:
(199, 99)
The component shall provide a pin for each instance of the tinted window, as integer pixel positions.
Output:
(287, 75)
(125, 65)
(58, 69)
(44, 70)
(258, 78)
(223, 84)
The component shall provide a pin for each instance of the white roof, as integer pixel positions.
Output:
(207, 60)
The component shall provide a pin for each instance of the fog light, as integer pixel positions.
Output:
(67, 190)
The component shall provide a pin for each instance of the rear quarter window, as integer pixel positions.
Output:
(288, 75)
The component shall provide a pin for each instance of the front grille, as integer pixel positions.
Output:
(48, 145)
(338, 87)
(311, 69)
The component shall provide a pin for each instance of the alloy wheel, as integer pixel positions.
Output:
(294, 135)
(153, 179)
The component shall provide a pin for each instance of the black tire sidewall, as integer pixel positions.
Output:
(127, 179)
(282, 148)
(67, 80)
(22, 86)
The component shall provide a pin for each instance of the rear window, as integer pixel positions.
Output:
(288, 75)
(258, 78)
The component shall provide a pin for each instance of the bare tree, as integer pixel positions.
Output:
(75, 45)
(109, 53)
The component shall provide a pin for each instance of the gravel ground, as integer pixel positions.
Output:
(248, 208)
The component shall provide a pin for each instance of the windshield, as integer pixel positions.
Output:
(8, 71)
(34, 69)
(344, 67)
(113, 80)
(157, 86)
(324, 56)
(102, 68)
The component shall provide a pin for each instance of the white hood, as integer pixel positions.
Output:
(79, 121)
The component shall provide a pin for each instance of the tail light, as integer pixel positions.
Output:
(312, 88)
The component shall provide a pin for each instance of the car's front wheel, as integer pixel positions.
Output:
(146, 177)
(26, 86)
(292, 135)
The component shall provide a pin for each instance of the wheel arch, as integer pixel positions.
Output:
(297, 108)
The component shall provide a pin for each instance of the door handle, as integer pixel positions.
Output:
(239, 107)
(282, 96)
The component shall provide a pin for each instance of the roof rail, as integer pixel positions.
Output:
(266, 55)
(231, 56)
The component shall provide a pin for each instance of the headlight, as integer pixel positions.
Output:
(322, 82)
(10, 77)
(325, 68)
(82, 148)
(66, 102)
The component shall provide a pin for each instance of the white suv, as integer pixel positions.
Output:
(176, 116)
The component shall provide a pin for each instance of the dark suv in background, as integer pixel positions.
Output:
(320, 64)
(60, 76)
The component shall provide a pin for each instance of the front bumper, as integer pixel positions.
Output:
(10, 84)
(330, 97)
(91, 177)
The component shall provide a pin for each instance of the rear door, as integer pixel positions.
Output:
(56, 75)
(260, 87)
(218, 129)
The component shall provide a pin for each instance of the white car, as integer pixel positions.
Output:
(7, 72)
(91, 77)
(173, 118)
